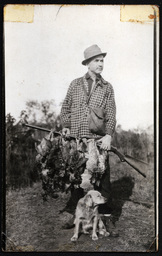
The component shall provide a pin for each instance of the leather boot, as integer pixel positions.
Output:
(111, 227)
(69, 224)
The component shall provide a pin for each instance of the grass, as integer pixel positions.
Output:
(34, 225)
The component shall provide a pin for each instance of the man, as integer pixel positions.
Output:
(92, 91)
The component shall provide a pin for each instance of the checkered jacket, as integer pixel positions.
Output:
(75, 109)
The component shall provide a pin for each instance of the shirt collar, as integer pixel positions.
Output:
(87, 76)
(100, 80)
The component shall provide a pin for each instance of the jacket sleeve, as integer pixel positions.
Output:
(110, 111)
(65, 114)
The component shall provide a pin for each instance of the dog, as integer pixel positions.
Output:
(87, 216)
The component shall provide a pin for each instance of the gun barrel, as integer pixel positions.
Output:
(138, 165)
(41, 128)
(135, 165)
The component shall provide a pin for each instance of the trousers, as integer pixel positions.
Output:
(104, 189)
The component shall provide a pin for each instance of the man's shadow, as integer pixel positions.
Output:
(121, 190)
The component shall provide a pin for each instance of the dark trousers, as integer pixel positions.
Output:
(105, 190)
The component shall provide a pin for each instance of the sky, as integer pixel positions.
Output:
(43, 57)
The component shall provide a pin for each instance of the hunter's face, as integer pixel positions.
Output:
(96, 64)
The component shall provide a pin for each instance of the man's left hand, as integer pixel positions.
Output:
(105, 142)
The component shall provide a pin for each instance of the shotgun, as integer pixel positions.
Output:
(133, 162)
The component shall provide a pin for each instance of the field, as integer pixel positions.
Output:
(35, 225)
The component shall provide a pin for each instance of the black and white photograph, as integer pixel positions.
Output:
(81, 106)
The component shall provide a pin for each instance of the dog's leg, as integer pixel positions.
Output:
(94, 234)
(76, 230)
(102, 228)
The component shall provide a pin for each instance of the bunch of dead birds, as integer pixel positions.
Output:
(61, 161)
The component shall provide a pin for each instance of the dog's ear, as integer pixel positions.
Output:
(88, 200)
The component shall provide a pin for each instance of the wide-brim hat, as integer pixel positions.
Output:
(92, 52)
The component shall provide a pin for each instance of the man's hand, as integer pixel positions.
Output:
(105, 142)
(65, 131)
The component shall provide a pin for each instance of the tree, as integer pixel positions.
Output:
(40, 112)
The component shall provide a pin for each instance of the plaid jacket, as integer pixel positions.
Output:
(75, 110)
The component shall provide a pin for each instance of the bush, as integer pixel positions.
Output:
(20, 155)
(137, 144)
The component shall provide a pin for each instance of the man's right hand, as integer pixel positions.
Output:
(65, 131)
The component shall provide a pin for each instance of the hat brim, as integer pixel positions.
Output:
(84, 62)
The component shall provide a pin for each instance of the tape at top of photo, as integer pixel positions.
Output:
(19, 13)
(138, 13)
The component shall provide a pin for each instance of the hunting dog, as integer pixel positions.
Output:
(87, 216)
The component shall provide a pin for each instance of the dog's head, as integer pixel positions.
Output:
(94, 198)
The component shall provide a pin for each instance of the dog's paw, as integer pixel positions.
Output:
(107, 234)
(86, 232)
(102, 232)
(74, 238)
(94, 237)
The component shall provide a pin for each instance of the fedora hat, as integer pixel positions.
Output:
(91, 52)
